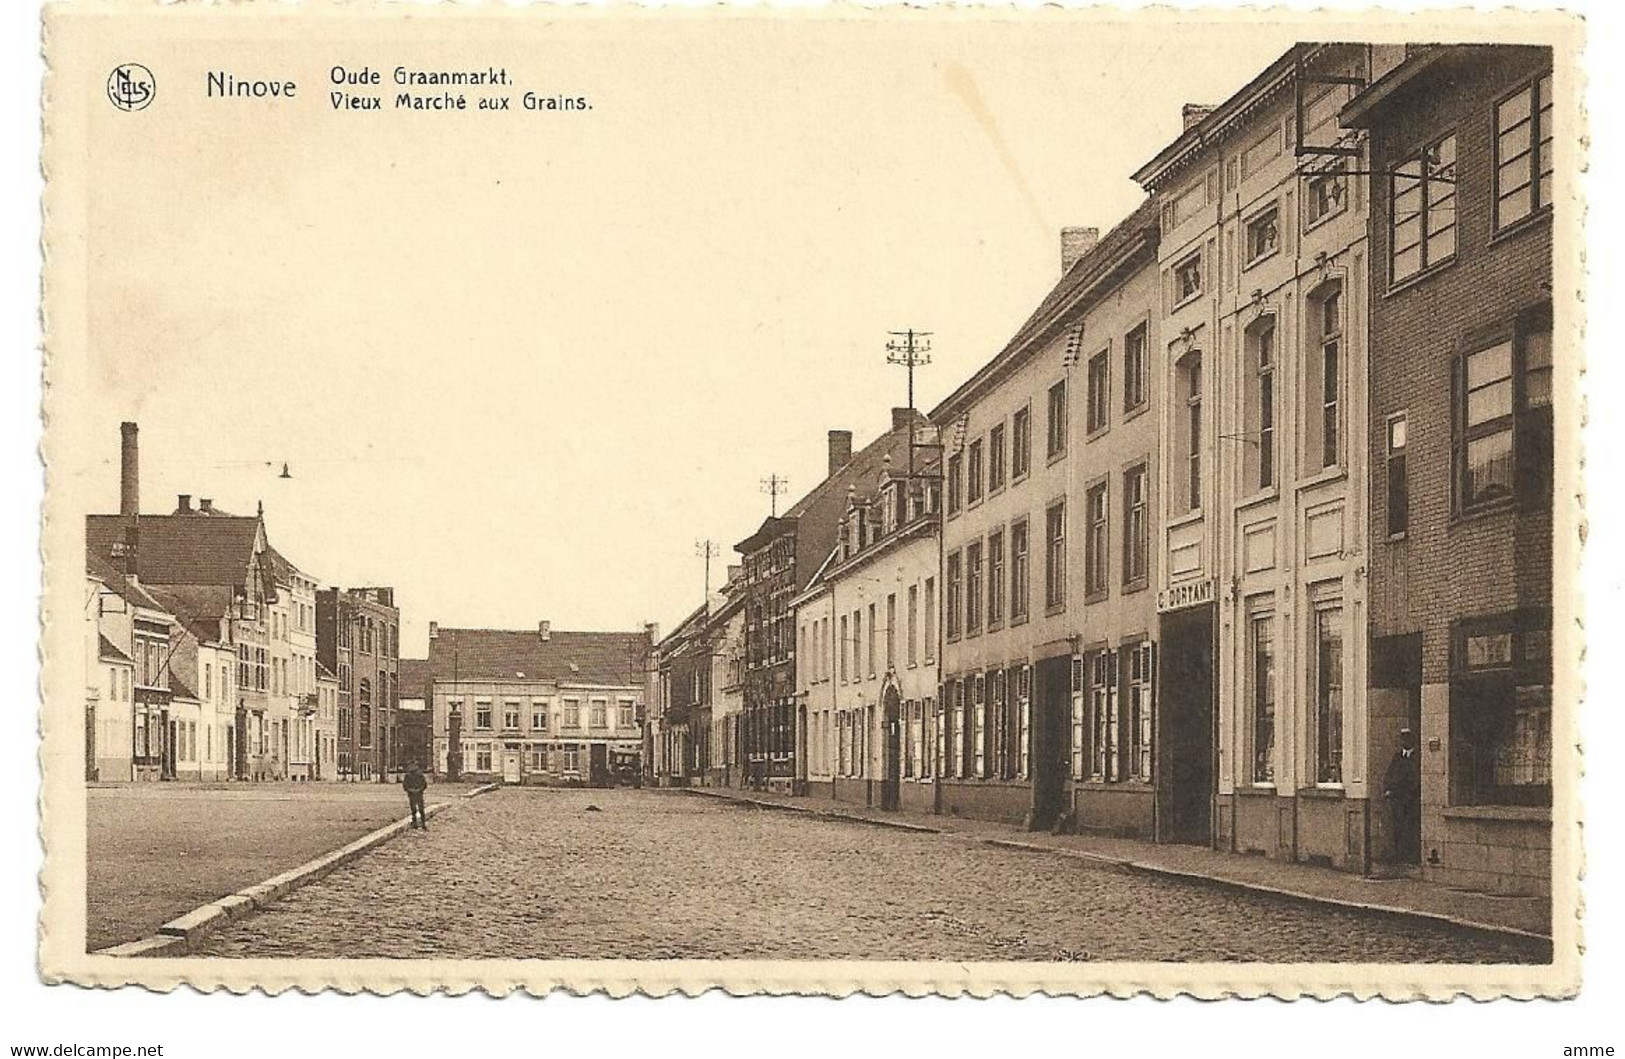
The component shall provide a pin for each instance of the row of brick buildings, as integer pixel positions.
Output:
(213, 657)
(1244, 538)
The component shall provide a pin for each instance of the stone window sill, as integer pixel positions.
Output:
(1538, 814)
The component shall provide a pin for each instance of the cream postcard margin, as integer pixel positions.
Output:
(85, 40)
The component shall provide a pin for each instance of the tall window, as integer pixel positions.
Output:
(1057, 419)
(956, 475)
(1523, 152)
(1484, 435)
(625, 716)
(1095, 565)
(510, 715)
(973, 473)
(1326, 373)
(598, 713)
(1021, 442)
(930, 618)
(857, 635)
(1188, 430)
(913, 624)
(1100, 391)
(572, 713)
(1139, 711)
(1107, 760)
(538, 715)
(1328, 695)
(482, 711)
(1261, 677)
(1019, 566)
(1134, 368)
(955, 587)
(1055, 555)
(1422, 210)
(891, 630)
(973, 588)
(1399, 500)
(1188, 279)
(1136, 526)
(1263, 235)
(995, 578)
(846, 652)
(1261, 404)
(995, 459)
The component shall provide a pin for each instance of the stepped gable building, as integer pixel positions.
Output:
(1263, 370)
(866, 645)
(1465, 159)
(537, 705)
(779, 561)
(1047, 510)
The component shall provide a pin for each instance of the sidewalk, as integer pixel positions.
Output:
(1526, 916)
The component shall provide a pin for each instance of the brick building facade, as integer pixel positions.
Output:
(1462, 142)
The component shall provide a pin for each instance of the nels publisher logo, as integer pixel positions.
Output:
(131, 86)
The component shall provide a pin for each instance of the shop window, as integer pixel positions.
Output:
(1328, 694)
(1261, 695)
(1501, 710)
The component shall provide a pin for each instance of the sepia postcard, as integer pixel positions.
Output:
(946, 500)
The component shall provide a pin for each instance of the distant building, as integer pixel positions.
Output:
(358, 639)
(537, 706)
(416, 719)
(867, 646)
(779, 561)
(327, 723)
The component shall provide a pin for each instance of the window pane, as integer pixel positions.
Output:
(1489, 467)
(1537, 367)
(1514, 206)
(1407, 262)
(1513, 110)
(1489, 365)
(1514, 142)
(1407, 234)
(1489, 403)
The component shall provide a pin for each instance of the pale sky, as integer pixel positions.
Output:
(518, 364)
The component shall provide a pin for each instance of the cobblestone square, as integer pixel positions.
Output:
(622, 874)
(157, 851)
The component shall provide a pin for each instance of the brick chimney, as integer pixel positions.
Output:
(1075, 242)
(1193, 113)
(205, 505)
(129, 495)
(183, 504)
(840, 449)
(901, 417)
(544, 629)
(434, 630)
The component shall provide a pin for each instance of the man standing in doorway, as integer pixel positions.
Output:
(1402, 789)
(416, 783)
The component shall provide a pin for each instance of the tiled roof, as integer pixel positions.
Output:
(198, 607)
(612, 659)
(110, 651)
(862, 467)
(1094, 266)
(414, 675)
(181, 549)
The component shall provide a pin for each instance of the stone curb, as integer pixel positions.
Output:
(1300, 896)
(810, 810)
(1147, 868)
(183, 934)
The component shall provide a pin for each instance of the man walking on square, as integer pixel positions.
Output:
(416, 783)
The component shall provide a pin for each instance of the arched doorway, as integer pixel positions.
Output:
(891, 728)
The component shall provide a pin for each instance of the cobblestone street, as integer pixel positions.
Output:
(540, 874)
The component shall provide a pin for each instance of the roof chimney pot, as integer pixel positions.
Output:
(1076, 242)
(840, 449)
(183, 504)
(544, 629)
